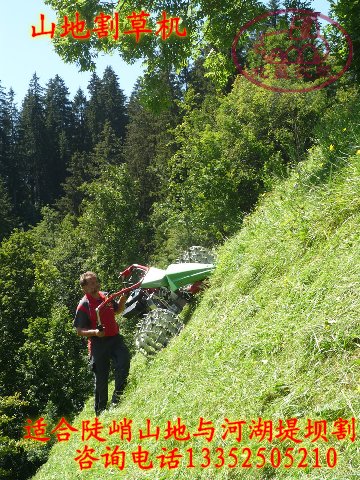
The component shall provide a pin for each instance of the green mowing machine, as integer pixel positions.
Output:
(157, 296)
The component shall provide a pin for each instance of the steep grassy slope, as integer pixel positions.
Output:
(275, 336)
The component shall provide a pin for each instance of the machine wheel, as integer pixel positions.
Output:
(156, 330)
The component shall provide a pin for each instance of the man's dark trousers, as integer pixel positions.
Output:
(104, 350)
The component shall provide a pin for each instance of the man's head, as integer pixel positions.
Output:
(89, 282)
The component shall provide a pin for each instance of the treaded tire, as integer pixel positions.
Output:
(156, 330)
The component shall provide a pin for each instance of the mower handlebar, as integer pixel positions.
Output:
(123, 291)
(128, 271)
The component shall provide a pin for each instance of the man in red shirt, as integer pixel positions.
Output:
(105, 344)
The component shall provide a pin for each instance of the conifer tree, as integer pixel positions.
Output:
(3, 134)
(298, 4)
(33, 152)
(274, 5)
(79, 104)
(112, 101)
(85, 167)
(92, 112)
(148, 145)
(194, 78)
(59, 125)
(9, 168)
(13, 115)
(108, 151)
(140, 147)
(77, 175)
(106, 104)
(7, 218)
(13, 134)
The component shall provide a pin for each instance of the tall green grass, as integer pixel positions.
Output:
(276, 335)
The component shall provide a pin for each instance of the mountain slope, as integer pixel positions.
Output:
(276, 336)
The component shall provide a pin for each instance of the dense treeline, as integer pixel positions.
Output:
(78, 180)
(42, 143)
(49, 149)
(98, 183)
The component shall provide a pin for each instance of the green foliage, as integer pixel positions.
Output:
(106, 105)
(13, 459)
(299, 4)
(110, 224)
(230, 150)
(59, 125)
(85, 167)
(79, 171)
(79, 106)
(52, 363)
(42, 148)
(148, 145)
(38, 336)
(17, 260)
(108, 149)
(348, 15)
(207, 23)
(32, 151)
(9, 182)
(194, 79)
(7, 219)
(338, 130)
(11, 414)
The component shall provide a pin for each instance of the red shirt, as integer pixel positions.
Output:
(87, 306)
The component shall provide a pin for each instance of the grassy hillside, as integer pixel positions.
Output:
(275, 336)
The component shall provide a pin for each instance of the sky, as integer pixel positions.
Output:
(21, 55)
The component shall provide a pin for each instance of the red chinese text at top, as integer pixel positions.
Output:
(106, 24)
